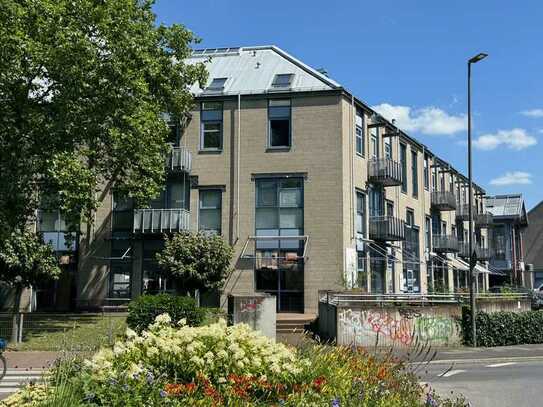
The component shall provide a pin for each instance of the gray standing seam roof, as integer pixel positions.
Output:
(509, 206)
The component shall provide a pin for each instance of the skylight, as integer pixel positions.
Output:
(217, 84)
(283, 80)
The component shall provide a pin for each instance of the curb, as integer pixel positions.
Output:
(483, 360)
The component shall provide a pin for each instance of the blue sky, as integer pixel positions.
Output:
(408, 58)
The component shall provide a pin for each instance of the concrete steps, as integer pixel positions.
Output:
(293, 323)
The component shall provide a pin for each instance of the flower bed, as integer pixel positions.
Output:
(217, 365)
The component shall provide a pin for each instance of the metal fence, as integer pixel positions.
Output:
(56, 331)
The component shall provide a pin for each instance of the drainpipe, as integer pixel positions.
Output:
(351, 153)
(513, 254)
(238, 160)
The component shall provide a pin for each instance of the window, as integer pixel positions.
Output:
(414, 173)
(428, 233)
(174, 134)
(403, 162)
(174, 196)
(426, 172)
(154, 281)
(279, 123)
(211, 122)
(388, 147)
(217, 85)
(409, 217)
(442, 182)
(52, 226)
(360, 214)
(389, 208)
(451, 183)
(119, 280)
(283, 80)
(209, 217)
(375, 201)
(374, 140)
(359, 132)
(434, 179)
(443, 228)
(122, 214)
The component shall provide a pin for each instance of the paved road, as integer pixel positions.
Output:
(489, 382)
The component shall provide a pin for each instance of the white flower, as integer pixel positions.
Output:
(163, 319)
(182, 322)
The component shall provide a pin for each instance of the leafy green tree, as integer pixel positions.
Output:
(25, 261)
(84, 85)
(196, 260)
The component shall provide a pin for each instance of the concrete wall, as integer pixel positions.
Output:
(503, 304)
(256, 311)
(399, 327)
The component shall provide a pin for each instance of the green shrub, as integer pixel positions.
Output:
(143, 310)
(504, 328)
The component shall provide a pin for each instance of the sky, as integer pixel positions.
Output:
(408, 59)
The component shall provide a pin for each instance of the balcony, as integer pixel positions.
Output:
(482, 253)
(443, 200)
(462, 212)
(387, 228)
(483, 219)
(179, 159)
(445, 244)
(385, 171)
(157, 221)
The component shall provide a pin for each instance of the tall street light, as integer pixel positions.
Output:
(472, 256)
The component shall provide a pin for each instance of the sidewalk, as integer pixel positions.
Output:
(498, 352)
(30, 360)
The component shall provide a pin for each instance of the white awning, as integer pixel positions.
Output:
(459, 264)
(481, 270)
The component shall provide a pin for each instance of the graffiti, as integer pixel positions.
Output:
(252, 305)
(387, 327)
(432, 328)
(396, 329)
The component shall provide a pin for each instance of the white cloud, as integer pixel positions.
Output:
(512, 178)
(427, 120)
(533, 113)
(515, 139)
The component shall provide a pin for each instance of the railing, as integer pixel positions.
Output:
(483, 219)
(462, 212)
(481, 253)
(443, 200)
(161, 220)
(179, 159)
(387, 228)
(344, 297)
(385, 171)
(445, 243)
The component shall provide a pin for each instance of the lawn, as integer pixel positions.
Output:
(74, 332)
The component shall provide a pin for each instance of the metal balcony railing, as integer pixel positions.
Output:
(161, 220)
(482, 253)
(179, 159)
(387, 228)
(462, 212)
(483, 219)
(385, 171)
(445, 244)
(443, 200)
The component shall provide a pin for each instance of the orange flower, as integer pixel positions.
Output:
(382, 373)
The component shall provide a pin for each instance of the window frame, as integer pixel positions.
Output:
(414, 173)
(403, 164)
(426, 172)
(276, 85)
(269, 137)
(203, 122)
(359, 133)
(209, 209)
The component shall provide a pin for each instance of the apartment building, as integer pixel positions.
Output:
(509, 222)
(312, 188)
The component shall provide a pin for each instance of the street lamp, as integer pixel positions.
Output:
(472, 256)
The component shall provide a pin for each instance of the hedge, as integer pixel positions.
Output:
(504, 328)
(143, 310)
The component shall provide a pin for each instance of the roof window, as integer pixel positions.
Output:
(217, 85)
(282, 80)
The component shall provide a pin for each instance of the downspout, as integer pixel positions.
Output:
(351, 153)
(238, 161)
(514, 254)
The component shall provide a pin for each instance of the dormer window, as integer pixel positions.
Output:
(217, 85)
(283, 80)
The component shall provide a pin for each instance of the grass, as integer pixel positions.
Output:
(78, 333)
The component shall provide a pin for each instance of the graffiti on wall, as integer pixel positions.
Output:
(402, 326)
(250, 305)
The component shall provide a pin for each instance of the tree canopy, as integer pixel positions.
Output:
(84, 85)
(196, 260)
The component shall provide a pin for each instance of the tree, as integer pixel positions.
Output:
(84, 85)
(24, 261)
(196, 260)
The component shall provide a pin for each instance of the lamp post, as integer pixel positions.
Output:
(472, 257)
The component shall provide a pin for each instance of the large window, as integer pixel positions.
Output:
(211, 122)
(122, 215)
(374, 143)
(403, 162)
(411, 254)
(279, 266)
(209, 216)
(388, 147)
(279, 117)
(120, 274)
(428, 233)
(360, 132)
(153, 279)
(52, 226)
(414, 173)
(426, 172)
(174, 196)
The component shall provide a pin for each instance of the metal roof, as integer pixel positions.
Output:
(252, 70)
(506, 206)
